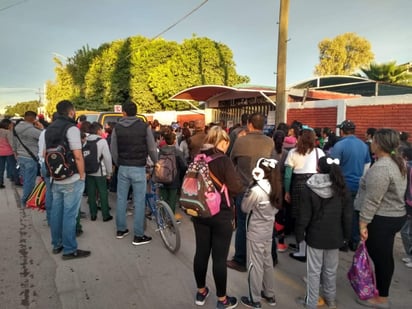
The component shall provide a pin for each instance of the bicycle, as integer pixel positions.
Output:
(164, 218)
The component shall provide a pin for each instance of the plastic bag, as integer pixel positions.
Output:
(361, 275)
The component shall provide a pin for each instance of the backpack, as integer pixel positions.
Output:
(37, 198)
(199, 196)
(165, 170)
(91, 162)
(408, 193)
(60, 161)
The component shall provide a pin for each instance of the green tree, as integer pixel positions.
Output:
(198, 61)
(20, 108)
(343, 55)
(388, 72)
(63, 88)
(146, 71)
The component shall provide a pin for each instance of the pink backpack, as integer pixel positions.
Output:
(361, 275)
(199, 196)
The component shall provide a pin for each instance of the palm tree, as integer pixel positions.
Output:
(388, 72)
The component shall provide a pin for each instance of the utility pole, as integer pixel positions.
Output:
(281, 98)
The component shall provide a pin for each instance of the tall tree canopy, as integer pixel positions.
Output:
(343, 55)
(147, 71)
(20, 108)
(388, 72)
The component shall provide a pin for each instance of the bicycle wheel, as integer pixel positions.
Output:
(167, 225)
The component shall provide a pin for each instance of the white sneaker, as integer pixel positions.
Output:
(407, 260)
(409, 265)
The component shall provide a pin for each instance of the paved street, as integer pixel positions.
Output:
(119, 275)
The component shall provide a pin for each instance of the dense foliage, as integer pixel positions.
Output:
(343, 55)
(388, 72)
(20, 108)
(146, 71)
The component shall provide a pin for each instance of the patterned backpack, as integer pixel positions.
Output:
(199, 196)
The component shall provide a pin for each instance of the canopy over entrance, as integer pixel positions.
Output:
(209, 92)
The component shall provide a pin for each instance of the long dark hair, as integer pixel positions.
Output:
(326, 165)
(388, 141)
(275, 180)
(278, 138)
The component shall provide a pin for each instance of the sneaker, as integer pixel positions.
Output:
(109, 218)
(141, 240)
(406, 260)
(331, 304)
(228, 303)
(282, 247)
(270, 300)
(298, 258)
(294, 247)
(122, 234)
(76, 254)
(201, 297)
(236, 266)
(57, 250)
(409, 265)
(250, 304)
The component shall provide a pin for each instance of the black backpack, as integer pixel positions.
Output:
(92, 163)
(59, 160)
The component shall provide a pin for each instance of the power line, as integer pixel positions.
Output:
(174, 24)
(12, 5)
(181, 19)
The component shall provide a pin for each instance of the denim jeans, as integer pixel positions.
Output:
(134, 176)
(406, 234)
(28, 169)
(355, 237)
(240, 237)
(49, 193)
(9, 160)
(64, 211)
(11, 169)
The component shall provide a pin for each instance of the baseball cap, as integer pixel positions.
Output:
(346, 125)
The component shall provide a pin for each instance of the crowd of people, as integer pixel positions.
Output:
(328, 192)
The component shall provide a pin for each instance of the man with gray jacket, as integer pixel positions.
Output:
(132, 141)
(26, 139)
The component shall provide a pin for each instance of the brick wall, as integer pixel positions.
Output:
(314, 117)
(395, 116)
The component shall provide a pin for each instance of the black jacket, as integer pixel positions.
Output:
(325, 219)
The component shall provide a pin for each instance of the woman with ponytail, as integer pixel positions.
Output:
(326, 224)
(381, 198)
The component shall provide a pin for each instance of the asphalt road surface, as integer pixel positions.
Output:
(120, 275)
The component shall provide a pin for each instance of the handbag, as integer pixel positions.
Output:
(361, 275)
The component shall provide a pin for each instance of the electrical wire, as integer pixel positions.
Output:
(174, 24)
(181, 19)
(12, 5)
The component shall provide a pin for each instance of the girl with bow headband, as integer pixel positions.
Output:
(261, 202)
(325, 223)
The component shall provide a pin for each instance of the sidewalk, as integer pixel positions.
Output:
(120, 275)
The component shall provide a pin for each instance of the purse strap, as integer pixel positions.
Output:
(24, 146)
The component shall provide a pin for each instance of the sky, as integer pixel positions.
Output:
(32, 32)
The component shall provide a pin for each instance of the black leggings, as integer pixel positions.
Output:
(213, 235)
(381, 235)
